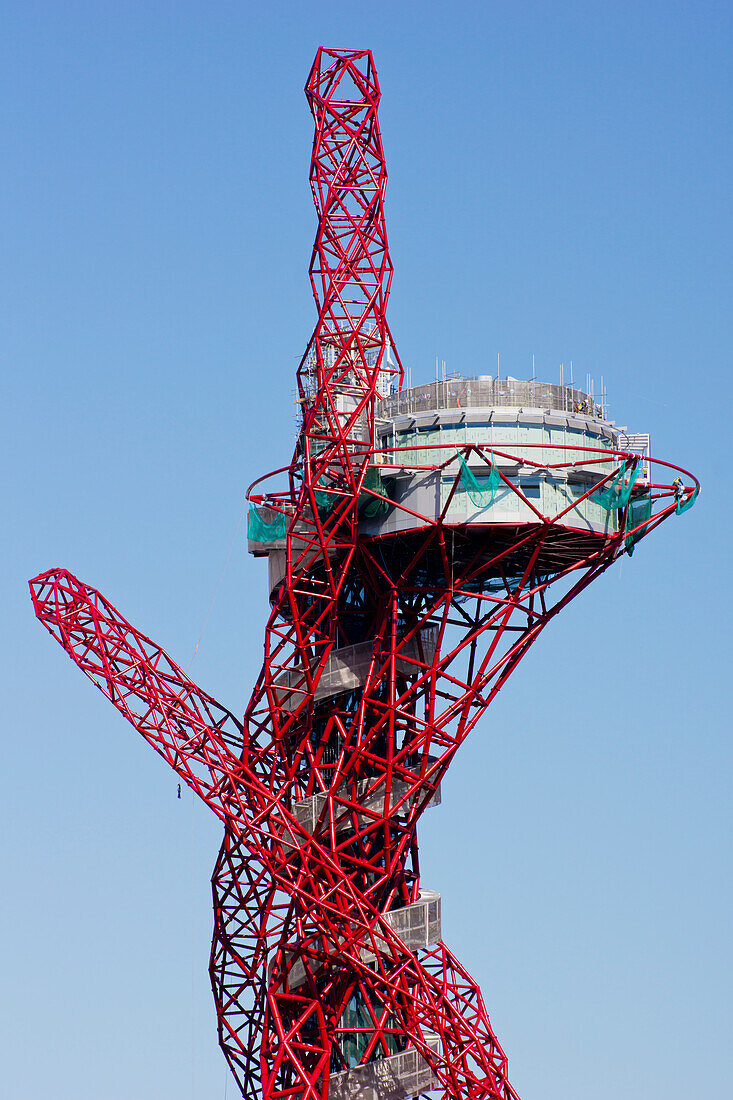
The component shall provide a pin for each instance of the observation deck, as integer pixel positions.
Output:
(484, 455)
(546, 445)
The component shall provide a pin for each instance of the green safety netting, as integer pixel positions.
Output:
(607, 497)
(639, 511)
(617, 493)
(480, 491)
(369, 506)
(324, 501)
(261, 528)
(626, 488)
(685, 505)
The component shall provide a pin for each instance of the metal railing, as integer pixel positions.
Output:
(488, 392)
(397, 1077)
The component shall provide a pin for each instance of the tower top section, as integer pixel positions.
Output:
(343, 71)
(350, 362)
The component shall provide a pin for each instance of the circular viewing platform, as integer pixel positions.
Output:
(486, 459)
(533, 450)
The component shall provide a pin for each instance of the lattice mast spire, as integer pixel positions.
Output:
(350, 360)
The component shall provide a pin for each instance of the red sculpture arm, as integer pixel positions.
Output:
(199, 738)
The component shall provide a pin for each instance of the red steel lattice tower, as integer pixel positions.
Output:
(422, 542)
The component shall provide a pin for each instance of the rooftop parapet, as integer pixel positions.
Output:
(484, 391)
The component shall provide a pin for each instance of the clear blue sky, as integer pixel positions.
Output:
(560, 182)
